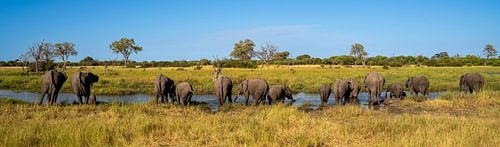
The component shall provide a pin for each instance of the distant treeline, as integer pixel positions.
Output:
(396, 61)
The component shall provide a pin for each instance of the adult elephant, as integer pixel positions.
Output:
(419, 84)
(396, 90)
(277, 93)
(355, 87)
(341, 90)
(164, 87)
(257, 88)
(324, 93)
(81, 83)
(52, 82)
(223, 87)
(184, 93)
(471, 82)
(374, 82)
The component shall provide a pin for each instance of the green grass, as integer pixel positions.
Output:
(305, 78)
(451, 120)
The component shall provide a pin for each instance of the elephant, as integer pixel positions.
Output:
(374, 82)
(355, 87)
(51, 84)
(257, 88)
(277, 93)
(341, 90)
(184, 93)
(81, 83)
(419, 84)
(396, 90)
(164, 88)
(471, 82)
(324, 93)
(223, 87)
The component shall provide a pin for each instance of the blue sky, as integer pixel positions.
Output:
(190, 29)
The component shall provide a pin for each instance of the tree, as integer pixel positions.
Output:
(243, 50)
(25, 60)
(35, 52)
(359, 51)
(489, 51)
(64, 50)
(125, 47)
(302, 57)
(87, 60)
(281, 55)
(440, 55)
(267, 52)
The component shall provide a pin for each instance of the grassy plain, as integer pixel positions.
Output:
(117, 80)
(451, 120)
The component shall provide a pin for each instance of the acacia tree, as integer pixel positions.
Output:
(125, 47)
(281, 55)
(64, 50)
(489, 51)
(359, 51)
(243, 50)
(267, 52)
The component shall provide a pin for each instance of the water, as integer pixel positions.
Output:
(312, 99)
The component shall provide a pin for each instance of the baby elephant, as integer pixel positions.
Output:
(184, 92)
(396, 90)
(324, 93)
(277, 93)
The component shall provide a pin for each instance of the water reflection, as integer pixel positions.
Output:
(311, 100)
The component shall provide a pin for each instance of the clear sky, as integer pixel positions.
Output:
(190, 30)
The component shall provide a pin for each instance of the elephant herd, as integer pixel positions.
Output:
(345, 91)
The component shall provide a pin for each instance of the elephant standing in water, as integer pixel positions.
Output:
(184, 93)
(164, 87)
(324, 93)
(417, 85)
(277, 93)
(223, 87)
(374, 82)
(341, 90)
(471, 82)
(52, 82)
(355, 87)
(81, 83)
(396, 90)
(257, 88)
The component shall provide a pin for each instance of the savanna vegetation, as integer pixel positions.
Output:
(453, 119)
(118, 80)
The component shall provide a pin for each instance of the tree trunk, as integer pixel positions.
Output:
(36, 66)
(64, 65)
(126, 62)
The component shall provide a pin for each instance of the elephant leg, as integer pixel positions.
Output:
(40, 100)
(369, 97)
(79, 99)
(256, 100)
(54, 98)
(246, 99)
(229, 97)
(189, 99)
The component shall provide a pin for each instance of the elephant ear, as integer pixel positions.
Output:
(245, 86)
(52, 77)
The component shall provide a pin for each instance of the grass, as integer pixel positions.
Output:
(118, 80)
(453, 119)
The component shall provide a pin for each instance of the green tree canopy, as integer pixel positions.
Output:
(359, 51)
(64, 50)
(489, 51)
(125, 47)
(243, 50)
